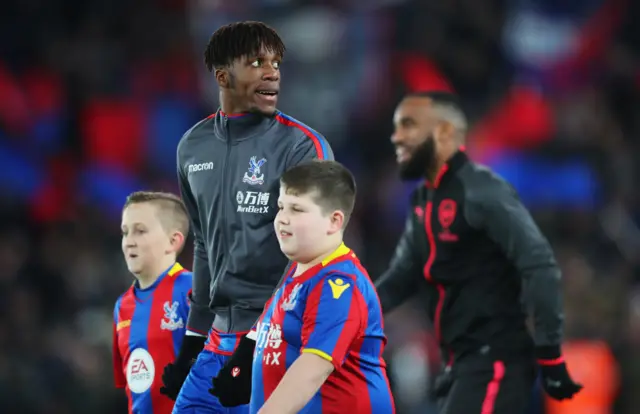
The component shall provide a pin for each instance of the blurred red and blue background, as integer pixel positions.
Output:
(95, 94)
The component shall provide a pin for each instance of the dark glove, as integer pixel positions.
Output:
(555, 377)
(175, 373)
(232, 386)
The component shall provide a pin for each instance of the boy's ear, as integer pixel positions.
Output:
(177, 240)
(337, 222)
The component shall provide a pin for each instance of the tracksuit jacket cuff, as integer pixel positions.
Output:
(549, 355)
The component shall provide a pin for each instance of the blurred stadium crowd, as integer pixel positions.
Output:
(95, 94)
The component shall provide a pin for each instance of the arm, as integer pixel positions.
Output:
(333, 319)
(302, 380)
(234, 389)
(400, 281)
(118, 375)
(496, 208)
(200, 316)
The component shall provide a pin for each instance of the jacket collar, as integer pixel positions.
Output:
(238, 127)
(449, 168)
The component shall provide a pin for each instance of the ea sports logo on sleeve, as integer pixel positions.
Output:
(140, 371)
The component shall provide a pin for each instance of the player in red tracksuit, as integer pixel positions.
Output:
(149, 318)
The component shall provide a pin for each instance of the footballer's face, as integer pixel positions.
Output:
(254, 82)
(145, 243)
(413, 138)
(303, 229)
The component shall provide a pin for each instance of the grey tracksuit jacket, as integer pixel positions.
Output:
(229, 168)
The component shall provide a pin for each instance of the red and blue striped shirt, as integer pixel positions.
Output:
(332, 310)
(148, 327)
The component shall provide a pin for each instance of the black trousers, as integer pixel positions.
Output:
(482, 385)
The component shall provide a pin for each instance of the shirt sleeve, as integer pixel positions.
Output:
(310, 146)
(118, 374)
(400, 281)
(200, 316)
(333, 318)
(496, 208)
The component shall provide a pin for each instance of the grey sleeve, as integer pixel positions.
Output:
(400, 281)
(307, 148)
(496, 208)
(200, 315)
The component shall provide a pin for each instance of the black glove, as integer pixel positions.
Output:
(175, 373)
(555, 377)
(232, 386)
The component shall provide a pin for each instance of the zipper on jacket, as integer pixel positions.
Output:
(225, 238)
(225, 165)
(427, 268)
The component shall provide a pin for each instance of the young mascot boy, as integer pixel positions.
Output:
(149, 318)
(319, 341)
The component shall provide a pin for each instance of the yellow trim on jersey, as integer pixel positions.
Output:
(321, 354)
(177, 267)
(340, 251)
(173, 270)
(123, 324)
(338, 287)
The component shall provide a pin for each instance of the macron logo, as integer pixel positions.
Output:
(205, 166)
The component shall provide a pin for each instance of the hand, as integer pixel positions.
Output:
(557, 382)
(173, 377)
(232, 385)
(176, 373)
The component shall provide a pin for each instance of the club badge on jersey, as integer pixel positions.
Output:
(254, 176)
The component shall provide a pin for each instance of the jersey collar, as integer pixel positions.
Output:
(172, 271)
(339, 254)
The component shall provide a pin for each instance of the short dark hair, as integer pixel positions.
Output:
(439, 97)
(172, 212)
(333, 182)
(235, 40)
(449, 106)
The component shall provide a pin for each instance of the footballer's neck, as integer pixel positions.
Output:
(229, 105)
(331, 248)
